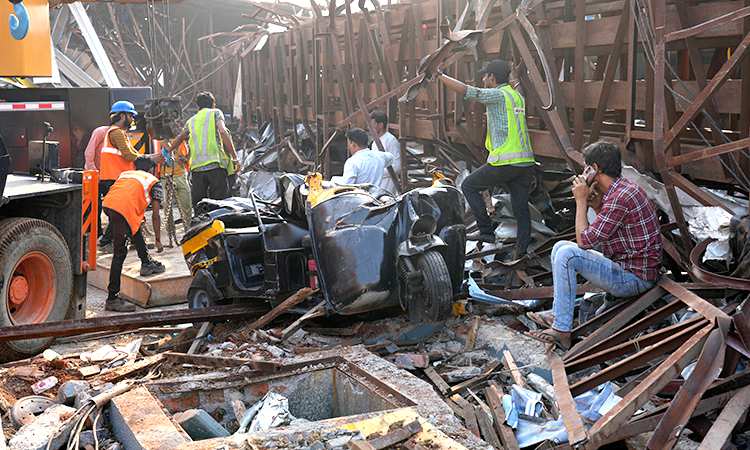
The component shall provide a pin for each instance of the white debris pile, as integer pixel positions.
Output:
(712, 222)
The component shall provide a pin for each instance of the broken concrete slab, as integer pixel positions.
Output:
(139, 422)
(36, 435)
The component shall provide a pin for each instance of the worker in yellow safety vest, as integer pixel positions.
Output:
(510, 161)
(210, 161)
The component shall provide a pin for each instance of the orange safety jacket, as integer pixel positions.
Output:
(130, 196)
(113, 163)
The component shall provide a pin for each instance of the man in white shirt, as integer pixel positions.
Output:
(365, 166)
(390, 144)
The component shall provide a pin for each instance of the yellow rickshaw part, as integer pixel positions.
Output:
(201, 240)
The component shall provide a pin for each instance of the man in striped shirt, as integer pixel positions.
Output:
(510, 161)
(627, 228)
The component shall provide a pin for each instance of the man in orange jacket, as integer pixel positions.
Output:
(118, 155)
(126, 204)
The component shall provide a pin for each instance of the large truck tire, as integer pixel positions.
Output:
(36, 281)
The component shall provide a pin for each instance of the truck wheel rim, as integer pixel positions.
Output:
(32, 289)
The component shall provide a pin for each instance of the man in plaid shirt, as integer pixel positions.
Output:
(628, 229)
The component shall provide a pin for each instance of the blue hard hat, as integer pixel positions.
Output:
(123, 106)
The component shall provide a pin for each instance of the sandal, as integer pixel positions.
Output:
(547, 338)
(542, 321)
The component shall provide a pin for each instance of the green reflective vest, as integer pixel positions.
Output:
(517, 146)
(205, 146)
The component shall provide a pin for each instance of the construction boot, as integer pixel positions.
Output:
(119, 305)
(153, 266)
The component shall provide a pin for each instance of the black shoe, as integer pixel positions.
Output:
(119, 305)
(152, 267)
(479, 236)
(106, 248)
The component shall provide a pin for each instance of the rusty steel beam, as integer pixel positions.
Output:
(576, 432)
(680, 410)
(709, 92)
(636, 344)
(124, 322)
(708, 152)
(713, 278)
(618, 322)
(609, 76)
(667, 370)
(707, 25)
(703, 307)
(642, 424)
(629, 331)
(732, 413)
(624, 366)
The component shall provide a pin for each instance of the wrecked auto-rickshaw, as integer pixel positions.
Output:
(363, 248)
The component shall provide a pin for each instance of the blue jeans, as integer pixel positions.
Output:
(567, 260)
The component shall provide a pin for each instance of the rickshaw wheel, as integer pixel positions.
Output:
(199, 298)
(436, 302)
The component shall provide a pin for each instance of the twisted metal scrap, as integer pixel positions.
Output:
(457, 40)
(521, 13)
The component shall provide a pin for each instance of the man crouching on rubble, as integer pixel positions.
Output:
(628, 229)
(126, 204)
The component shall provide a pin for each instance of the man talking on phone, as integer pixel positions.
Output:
(628, 230)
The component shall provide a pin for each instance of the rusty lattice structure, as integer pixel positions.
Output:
(601, 60)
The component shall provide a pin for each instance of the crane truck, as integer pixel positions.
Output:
(48, 215)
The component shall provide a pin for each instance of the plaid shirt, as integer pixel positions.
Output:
(493, 100)
(628, 229)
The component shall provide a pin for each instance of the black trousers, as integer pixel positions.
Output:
(104, 187)
(518, 180)
(120, 233)
(211, 184)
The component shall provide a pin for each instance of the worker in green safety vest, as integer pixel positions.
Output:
(210, 161)
(510, 161)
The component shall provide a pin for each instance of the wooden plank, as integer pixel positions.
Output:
(361, 445)
(573, 424)
(198, 342)
(510, 365)
(472, 337)
(485, 424)
(396, 436)
(470, 419)
(290, 302)
(437, 380)
(492, 394)
(131, 370)
(318, 311)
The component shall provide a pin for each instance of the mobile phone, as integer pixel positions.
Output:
(589, 175)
